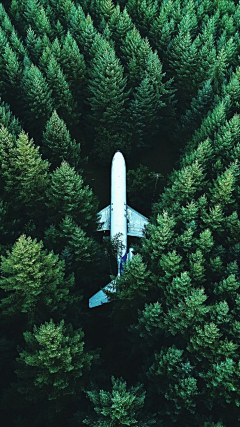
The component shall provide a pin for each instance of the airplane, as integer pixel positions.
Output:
(121, 220)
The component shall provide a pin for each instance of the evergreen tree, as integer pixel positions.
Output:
(199, 107)
(107, 100)
(172, 377)
(53, 362)
(83, 31)
(68, 196)
(118, 407)
(81, 253)
(145, 113)
(57, 144)
(37, 97)
(183, 63)
(36, 17)
(34, 282)
(3, 43)
(141, 183)
(8, 120)
(13, 73)
(24, 173)
(134, 284)
(74, 68)
(63, 100)
(119, 24)
(34, 45)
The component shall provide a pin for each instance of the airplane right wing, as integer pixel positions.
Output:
(105, 218)
(135, 222)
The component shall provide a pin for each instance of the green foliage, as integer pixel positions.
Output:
(141, 182)
(107, 100)
(82, 249)
(119, 407)
(171, 375)
(140, 76)
(34, 281)
(63, 100)
(73, 64)
(23, 171)
(37, 97)
(135, 281)
(68, 196)
(57, 144)
(53, 362)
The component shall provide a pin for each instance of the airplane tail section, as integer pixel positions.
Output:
(101, 296)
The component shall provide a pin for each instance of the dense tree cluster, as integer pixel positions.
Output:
(84, 79)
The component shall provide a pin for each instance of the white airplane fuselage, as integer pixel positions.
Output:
(121, 220)
(119, 206)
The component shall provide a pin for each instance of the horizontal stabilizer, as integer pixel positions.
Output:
(105, 218)
(135, 222)
(100, 297)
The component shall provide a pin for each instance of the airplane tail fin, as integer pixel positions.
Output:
(101, 297)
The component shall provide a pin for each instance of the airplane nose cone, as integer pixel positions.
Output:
(118, 153)
(118, 158)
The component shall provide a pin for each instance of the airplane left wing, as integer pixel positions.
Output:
(135, 222)
(105, 218)
(101, 297)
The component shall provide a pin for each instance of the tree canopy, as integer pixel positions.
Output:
(159, 81)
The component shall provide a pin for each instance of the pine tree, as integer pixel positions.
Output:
(119, 24)
(185, 315)
(81, 253)
(74, 68)
(227, 287)
(197, 268)
(107, 100)
(24, 173)
(8, 120)
(83, 31)
(150, 325)
(36, 17)
(186, 183)
(141, 184)
(53, 363)
(57, 144)
(143, 13)
(224, 187)
(135, 282)
(136, 54)
(183, 64)
(68, 196)
(171, 265)
(179, 288)
(13, 71)
(34, 282)
(144, 112)
(159, 238)
(172, 376)
(37, 97)
(199, 106)
(63, 100)
(3, 44)
(34, 45)
(118, 407)
(205, 242)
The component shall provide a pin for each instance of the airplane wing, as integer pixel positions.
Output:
(100, 297)
(105, 218)
(135, 222)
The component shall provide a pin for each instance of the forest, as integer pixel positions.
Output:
(158, 80)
